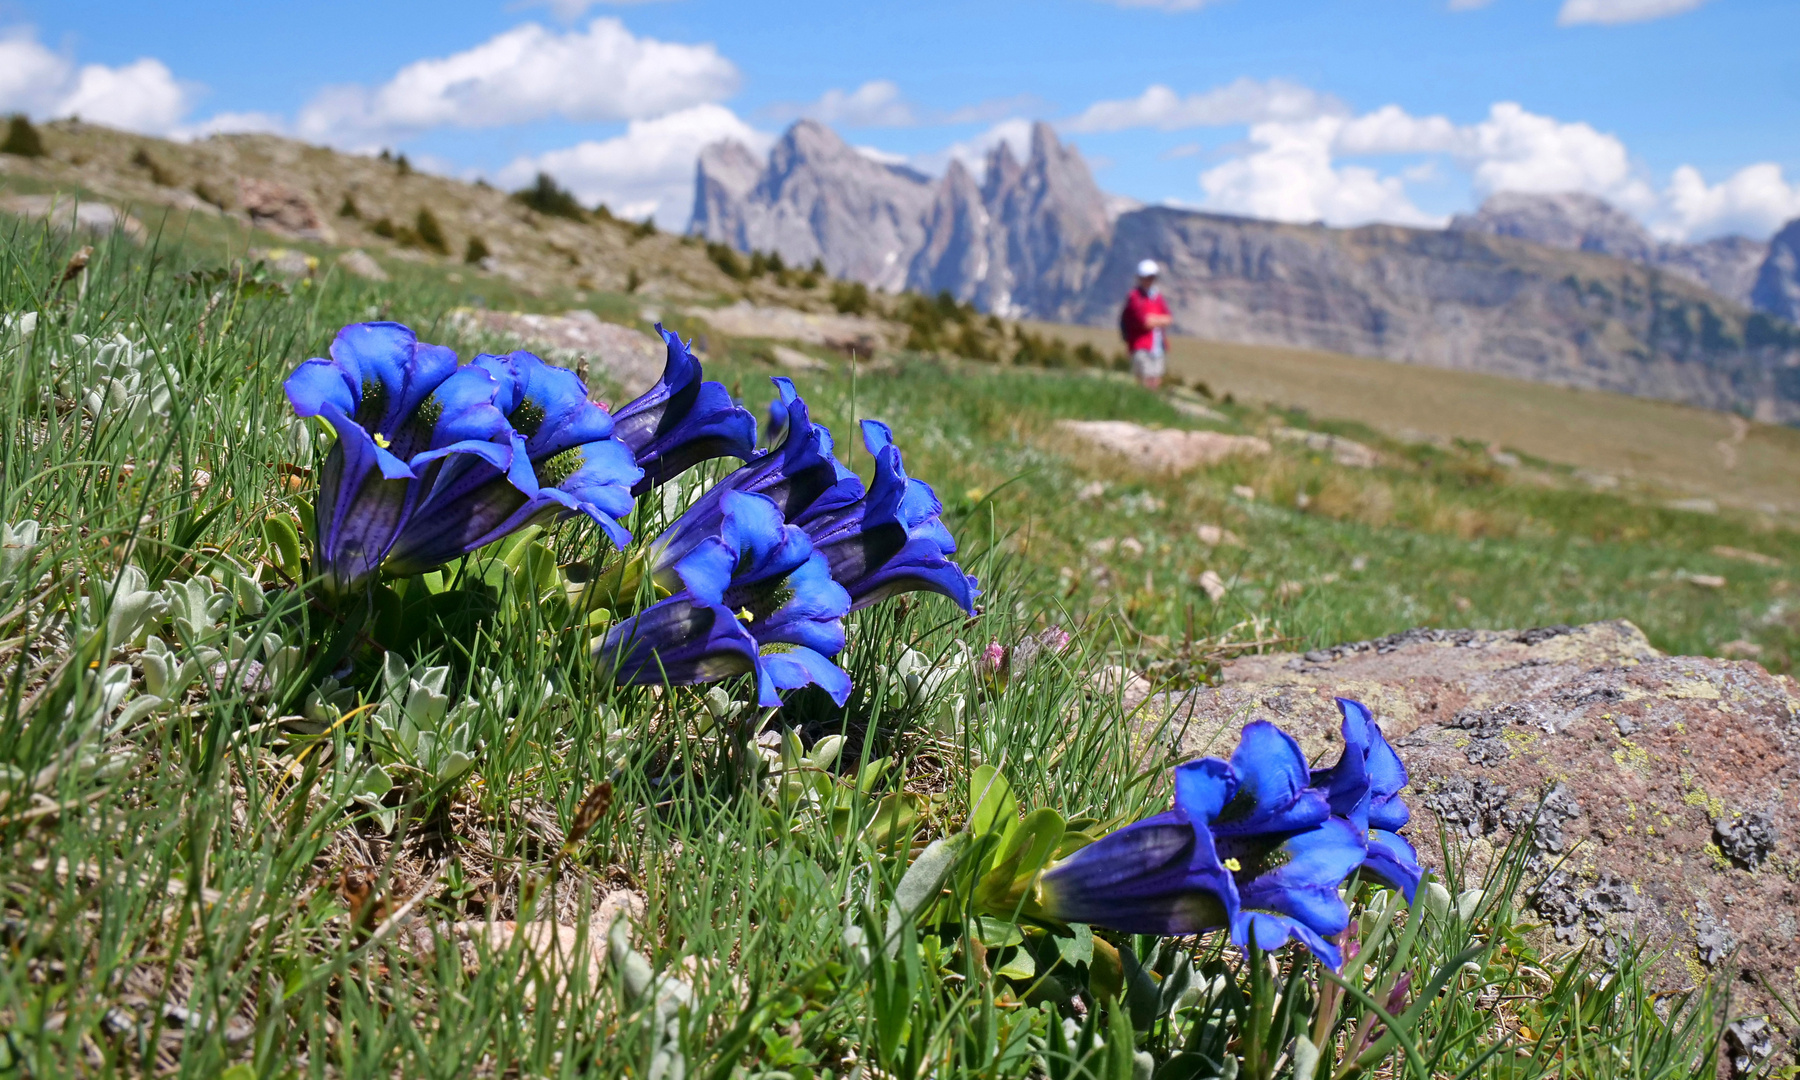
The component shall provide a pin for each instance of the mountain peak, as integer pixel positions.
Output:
(1572, 220)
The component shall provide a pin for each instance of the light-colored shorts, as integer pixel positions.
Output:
(1147, 364)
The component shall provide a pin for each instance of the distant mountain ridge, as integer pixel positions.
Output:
(1555, 288)
(1574, 221)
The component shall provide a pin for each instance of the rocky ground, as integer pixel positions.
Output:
(1664, 787)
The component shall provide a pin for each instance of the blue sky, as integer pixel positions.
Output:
(1682, 111)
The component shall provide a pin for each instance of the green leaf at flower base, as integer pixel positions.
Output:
(920, 885)
(993, 807)
(1076, 947)
(534, 567)
(1018, 965)
(895, 819)
(1025, 849)
(995, 932)
(283, 541)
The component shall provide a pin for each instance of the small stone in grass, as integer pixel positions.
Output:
(1213, 586)
(1243, 491)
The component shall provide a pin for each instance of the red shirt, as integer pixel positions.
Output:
(1132, 325)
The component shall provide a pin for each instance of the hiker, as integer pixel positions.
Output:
(1141, 325)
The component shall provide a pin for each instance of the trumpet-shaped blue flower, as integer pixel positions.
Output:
(1248, 847)
(564, 461)
(785, 611)
(791, 476)
(682, 421)
(888, 539)
(400, 408)
(1364, 789)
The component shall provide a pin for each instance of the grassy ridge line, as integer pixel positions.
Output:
(1657, 442)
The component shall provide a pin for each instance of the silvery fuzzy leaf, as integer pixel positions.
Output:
(720, 706)
(282, 663)
(434, 679)
(367, 789)
(196, 606)
(17, 542)
(425, 707)
(134, 609)
(166, 674)
(248, 593)
(393, 673)
(105, 691)
(138, 708)
(328, 701)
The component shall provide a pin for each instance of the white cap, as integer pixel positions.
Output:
(1147, 268)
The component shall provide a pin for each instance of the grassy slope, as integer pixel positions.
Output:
(172, 888)
(1656, 442)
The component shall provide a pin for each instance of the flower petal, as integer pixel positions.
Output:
(1272, 794)
(1271, 930)
(1157, 876)
(789, 667)
(682, 421)
(1392, 859)
(679, 641)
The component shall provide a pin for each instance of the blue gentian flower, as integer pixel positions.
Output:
(682, 421)
(1161, 875)
(1248, 847)
(1288, 854)
(762, 576)
(791, 476)
(564, 461)
(775, 425)
(400, 408)
(1364, 789)
(888, 539)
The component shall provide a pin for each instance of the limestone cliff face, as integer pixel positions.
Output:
(1777, 289)
(1053, 221)
(1573, 221)
(1024, 241)
(817, 198)
(726, 174)
(1458, 299)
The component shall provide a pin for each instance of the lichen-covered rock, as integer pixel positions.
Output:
(1663, 788)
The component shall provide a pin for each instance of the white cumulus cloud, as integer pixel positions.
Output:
(1517, 150)
(648, 170)
(1294, 171)
(1613, 12)
(1756, 201)
(528, 73)
(1242, 101)
(142, 96)
(1291, 176)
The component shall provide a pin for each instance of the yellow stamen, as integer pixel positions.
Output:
(745, 615)
(1233, 865)
(382, 440)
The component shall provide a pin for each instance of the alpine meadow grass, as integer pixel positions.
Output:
(244, 833)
